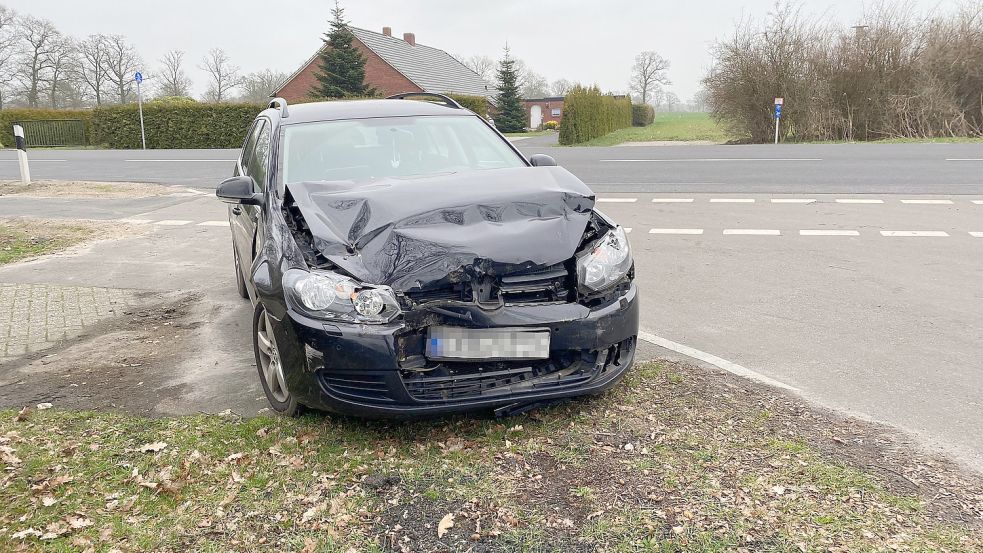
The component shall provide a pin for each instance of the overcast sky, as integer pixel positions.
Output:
(590, 42)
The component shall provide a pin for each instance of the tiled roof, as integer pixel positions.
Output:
(432, 69)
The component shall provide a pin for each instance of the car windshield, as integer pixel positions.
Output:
(362, 149)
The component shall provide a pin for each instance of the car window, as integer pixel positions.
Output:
(250, 144)
(362, 149)
(259, 161)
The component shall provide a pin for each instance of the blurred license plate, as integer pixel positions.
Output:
(448, 342)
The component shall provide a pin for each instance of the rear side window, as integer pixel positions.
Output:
(259, 160)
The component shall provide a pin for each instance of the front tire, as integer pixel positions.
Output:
(270, 366)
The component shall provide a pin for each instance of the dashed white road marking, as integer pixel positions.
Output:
(214, 224)
(976, 234)
(676, 231)
(136, 221)
(180, 160)
(711, 159)
(732, 200)
(819, 232)
(718, 362)
(672, 200)
(627, 230)
(40, 160)
(928, 202)
(978, 202)
(617, 200)
(964, 159)
(793, 200)
(172, 222)
(752, 232)
(914, 233)
(858, 201)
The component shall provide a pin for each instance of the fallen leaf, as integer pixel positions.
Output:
(48, 501)
(79, 522)
(43, 406)
(445, 524)
(22, 414)
(310, 546)
(24, 533)
(153, 447)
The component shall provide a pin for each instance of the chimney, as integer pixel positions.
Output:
(388, 31)
(410, 38)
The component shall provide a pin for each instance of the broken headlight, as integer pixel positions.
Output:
(327, 295)
(606, 263)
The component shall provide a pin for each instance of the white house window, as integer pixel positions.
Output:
(555, 112)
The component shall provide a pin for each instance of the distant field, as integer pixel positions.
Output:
(668, 127)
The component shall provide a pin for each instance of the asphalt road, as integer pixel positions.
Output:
(765, 169)
(848, 272)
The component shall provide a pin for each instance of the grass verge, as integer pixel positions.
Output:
(668, 127)
(84, 189)
(24, 238)
(528, 133)
(669, 461)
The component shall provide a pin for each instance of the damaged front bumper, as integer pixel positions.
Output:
(376, 370)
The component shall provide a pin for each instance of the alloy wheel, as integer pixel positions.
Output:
(269, 359)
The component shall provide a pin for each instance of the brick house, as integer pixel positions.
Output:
(541, 110)
(394, 65)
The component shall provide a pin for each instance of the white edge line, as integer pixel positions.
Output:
(179, 160)
(617, 200)
(724, 159)
(136, 221)
(173, 222)
(214, 224)
(711, 359)
(829, 233)
(964, 159)
(676, 231)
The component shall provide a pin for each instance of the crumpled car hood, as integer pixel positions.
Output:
(415, 233)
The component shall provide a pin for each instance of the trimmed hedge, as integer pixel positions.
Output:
(642, 115)
(588, 114)
(18, 115)
(477, 104)
(174, 126)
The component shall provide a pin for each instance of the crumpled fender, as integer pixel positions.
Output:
(412, 233)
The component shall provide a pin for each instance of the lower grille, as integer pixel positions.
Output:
(357, 386)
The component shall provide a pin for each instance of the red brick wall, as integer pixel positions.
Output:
(547, 107)
(378, 74)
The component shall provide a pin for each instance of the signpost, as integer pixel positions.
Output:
(21, 144)
(138, 77)
(778, 115)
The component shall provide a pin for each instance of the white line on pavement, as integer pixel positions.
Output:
(39, 160)
(173, 222)
(617, 200)
(214, 224)
(672, 200)
(976, 234)
(752, 232)
(964, 159)
(180, 160)
(718, 362)
(828, 233)
(711, 159)
(928, 202)
(914, 233)
(136, 221)
(627, 230)
(793, 200)
(858, 201)
(978, 202)
(676, 231)
(732, 200)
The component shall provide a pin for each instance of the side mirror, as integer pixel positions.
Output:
(239, 190)
(542, 160)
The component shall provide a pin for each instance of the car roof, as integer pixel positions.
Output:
(363, 109)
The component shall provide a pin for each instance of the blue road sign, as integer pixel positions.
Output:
(138, 77)
(778, 111)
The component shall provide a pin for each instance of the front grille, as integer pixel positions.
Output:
(550, 284)
(359, 386)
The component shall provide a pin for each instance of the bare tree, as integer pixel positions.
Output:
(8, 44)
(560, 87)
(38, 39)
(258, 87)
(122, 61)
(482, 65)
(93, 65)
(63, 60)
(534, 85)
(222, 74)
(648, 73)
(171, 79)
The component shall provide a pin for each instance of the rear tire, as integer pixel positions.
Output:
(240, 280)
(270, 366)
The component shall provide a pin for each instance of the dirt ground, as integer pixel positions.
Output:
(85, 189)
(25, 237)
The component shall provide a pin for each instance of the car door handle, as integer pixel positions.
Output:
(237, 210)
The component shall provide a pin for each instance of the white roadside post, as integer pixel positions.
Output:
(138, 77)
(778, 115)
(21, 144)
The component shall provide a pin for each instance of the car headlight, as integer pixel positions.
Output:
(330, 296)
(607, 263)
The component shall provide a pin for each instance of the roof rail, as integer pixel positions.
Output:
(280, 104)
(442, 98)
